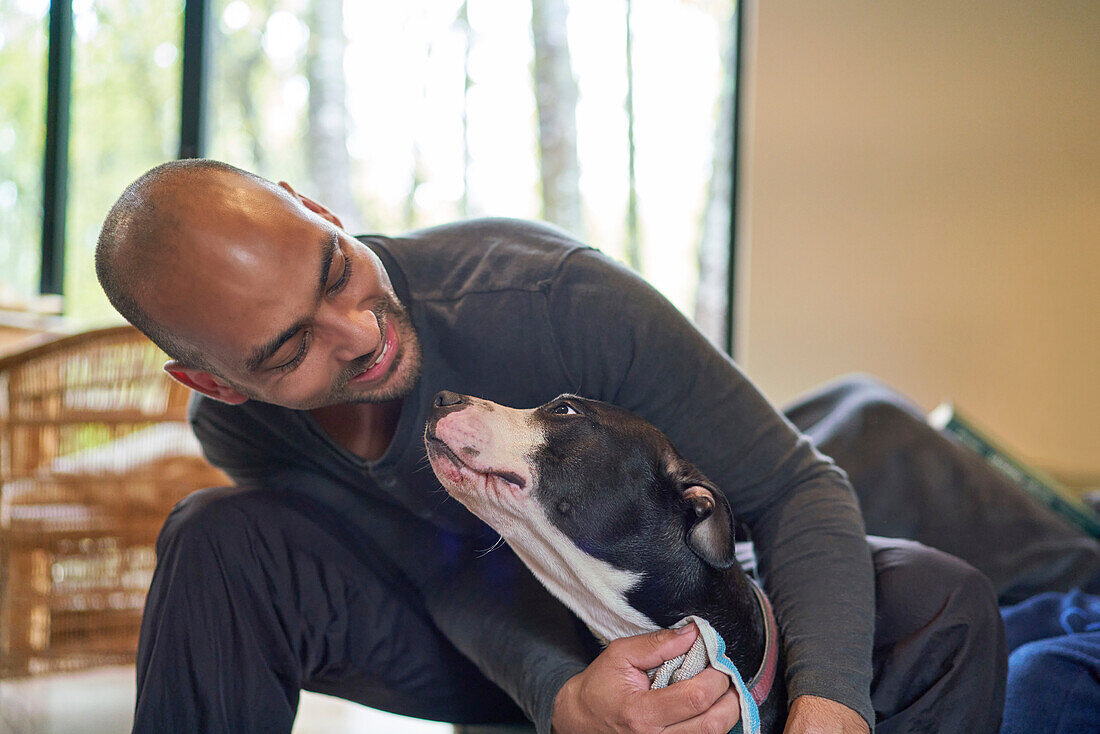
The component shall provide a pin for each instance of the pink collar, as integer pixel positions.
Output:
(761, 684)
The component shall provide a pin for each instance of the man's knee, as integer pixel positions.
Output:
(967, 589)
(207, 514)
(856, 384)
(855, 410)
(875, 406)
(920, 589)
(937, 581)
(862, 390)
(939, 642)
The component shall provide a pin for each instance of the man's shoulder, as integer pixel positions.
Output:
(213, 417)
(479, 256)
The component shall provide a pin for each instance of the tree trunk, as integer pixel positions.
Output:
(247, 67)
(713, 256)
(327, 148)
(556, 99)
(463, 22)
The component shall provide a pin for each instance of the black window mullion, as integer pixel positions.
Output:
(731, 270)
(55, 172)
(195, 78)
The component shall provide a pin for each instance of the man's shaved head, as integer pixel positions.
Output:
(141, 235)
(254, 291)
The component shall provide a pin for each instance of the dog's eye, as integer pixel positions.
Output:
(562, 409)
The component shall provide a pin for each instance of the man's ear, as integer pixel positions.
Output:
(710, 534)
(204, 382)
(313, 206)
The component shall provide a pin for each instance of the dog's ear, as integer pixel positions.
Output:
(710, 535)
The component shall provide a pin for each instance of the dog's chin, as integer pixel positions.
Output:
(465, 482)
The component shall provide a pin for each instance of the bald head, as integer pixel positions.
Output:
(254, 290)
(148, 231)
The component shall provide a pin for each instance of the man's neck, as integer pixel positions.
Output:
(365, 429)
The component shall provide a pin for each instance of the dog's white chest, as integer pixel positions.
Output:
(593, 589)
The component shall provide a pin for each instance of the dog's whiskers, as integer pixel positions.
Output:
(493, 547)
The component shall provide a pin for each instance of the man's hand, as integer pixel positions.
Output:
(814, 715)
(612, 694)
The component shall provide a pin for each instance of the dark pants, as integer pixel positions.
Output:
(259, 594)
(912, 482)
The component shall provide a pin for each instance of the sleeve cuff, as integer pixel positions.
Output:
(543, 704)
(836, 689)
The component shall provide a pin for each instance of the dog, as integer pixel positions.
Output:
(611, 519)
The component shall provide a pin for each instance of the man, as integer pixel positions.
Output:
(337, 564)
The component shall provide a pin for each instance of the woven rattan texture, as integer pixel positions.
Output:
(94, 452)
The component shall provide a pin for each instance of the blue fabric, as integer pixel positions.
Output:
(716, 651)
(1054, 666)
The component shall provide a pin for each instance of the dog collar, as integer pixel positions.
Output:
(760, 685)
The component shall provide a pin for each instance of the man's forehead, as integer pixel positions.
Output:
(230, 279)
(215, 181)
(217, 200)
(244, 229)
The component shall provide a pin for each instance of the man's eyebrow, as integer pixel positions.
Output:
(329, 245)
(264, 352)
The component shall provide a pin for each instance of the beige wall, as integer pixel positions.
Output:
(923, 191)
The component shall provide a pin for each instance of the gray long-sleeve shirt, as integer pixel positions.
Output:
(518, 313)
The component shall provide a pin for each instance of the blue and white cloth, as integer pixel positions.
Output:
(709, 649)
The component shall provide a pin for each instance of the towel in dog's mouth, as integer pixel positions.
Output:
(438, 445)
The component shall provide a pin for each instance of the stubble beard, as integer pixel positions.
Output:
(403, 376)
(404, 372)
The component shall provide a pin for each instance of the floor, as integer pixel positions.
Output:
(100, 701)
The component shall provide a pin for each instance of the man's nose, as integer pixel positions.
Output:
(356, 333)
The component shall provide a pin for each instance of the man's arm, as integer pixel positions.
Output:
(621, 341)
(814, 715)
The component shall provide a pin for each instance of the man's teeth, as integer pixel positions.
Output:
(385, 348)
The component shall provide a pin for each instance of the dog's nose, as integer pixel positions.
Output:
(446, 398)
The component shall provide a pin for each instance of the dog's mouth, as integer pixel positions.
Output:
(438, 449)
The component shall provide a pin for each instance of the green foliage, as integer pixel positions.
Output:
(125, 119)
(23, 33)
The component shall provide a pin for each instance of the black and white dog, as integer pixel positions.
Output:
(611, 519)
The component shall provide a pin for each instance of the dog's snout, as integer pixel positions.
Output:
(446, 399)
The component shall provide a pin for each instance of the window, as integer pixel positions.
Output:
(399, 116)
(403, 115)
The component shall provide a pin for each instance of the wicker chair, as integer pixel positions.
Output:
(94, 452)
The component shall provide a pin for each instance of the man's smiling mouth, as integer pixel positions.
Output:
(385, 349)
(383, 360)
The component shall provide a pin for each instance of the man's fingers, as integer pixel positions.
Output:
(719, 718)
(687, 699)
(650, 650)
